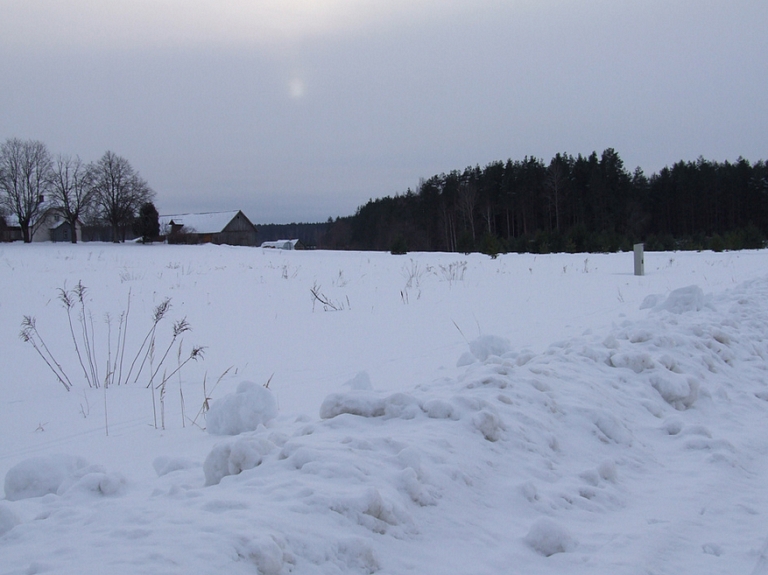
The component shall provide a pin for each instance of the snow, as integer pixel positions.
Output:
(38, 476)
(547, 537)
(457, 414)
(245, 410)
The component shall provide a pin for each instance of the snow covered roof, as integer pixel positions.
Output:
(52, 217)
(206, 223)
(281, 244)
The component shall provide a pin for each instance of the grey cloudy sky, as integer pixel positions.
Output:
(297, 110)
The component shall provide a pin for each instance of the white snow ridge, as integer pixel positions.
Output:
(635, 447)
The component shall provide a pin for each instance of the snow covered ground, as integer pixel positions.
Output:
(453, 414)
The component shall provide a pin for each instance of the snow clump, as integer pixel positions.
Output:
(361, 382)
(370, 404)
(547, 538)
(234, 457)
(683, 300)
(165, 464)
(42, 475)
(484, 347)
(250, 406)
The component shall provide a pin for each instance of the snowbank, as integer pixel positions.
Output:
(633, 445)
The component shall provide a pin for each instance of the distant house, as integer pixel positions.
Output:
(231, 228)
(49, 225)
(53, 227)
(283, 245)
(9, 232)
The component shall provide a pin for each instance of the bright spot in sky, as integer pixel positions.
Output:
(296, 88)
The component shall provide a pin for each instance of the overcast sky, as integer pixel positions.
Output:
(297, 110)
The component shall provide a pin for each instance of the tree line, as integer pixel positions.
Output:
(108, 192)
(570, 204)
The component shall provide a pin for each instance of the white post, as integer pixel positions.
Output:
(639, 260)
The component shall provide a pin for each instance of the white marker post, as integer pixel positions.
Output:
(639, 260)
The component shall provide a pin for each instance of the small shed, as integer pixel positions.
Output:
(283, 245)
(231, 228)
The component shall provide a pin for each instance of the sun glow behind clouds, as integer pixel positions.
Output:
(297, 88)
(162, 23)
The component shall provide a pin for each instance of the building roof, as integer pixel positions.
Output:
(281, 244)
(207, 223)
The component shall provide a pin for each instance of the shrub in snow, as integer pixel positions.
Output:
(547, 538)
(487, 345)
(233, 457)
(250, 406)
(8, 520)
(39, 476)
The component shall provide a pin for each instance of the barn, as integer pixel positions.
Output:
(232, 228)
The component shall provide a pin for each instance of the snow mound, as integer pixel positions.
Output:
(8, 520)
(250, 406)
(361, 382)
(677, 391)
(42, 475)
(547, 538)
(267, 553)
(164, 465)
(682, 300)
(484, 347)
(96, 482)
(370, 404)
(234, 457)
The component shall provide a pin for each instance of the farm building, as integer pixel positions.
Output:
(50, 225)
(284, 245)
(232, 228)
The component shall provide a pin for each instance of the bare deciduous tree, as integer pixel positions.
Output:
(25, 179)
(72, 190)
(118, 191)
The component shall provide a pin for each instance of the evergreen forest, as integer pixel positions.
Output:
(571, 204)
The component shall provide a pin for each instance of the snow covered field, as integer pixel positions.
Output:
(455, 414)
